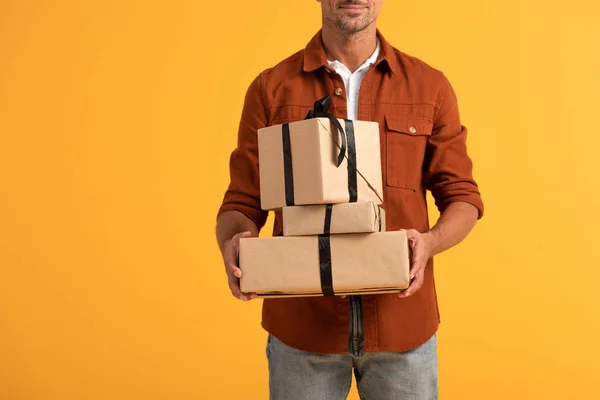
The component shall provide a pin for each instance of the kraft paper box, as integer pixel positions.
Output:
(343, 218)
(311, 149)
(361, 263)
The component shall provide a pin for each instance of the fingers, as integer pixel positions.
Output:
(236, 241)
(418, 258)
(234, 273)
(231, 260)
(418, 262)
(415, 284)
(234, 286)
(231, 254)
(248, 296)
(233, 278)
(416, 250)
(412, 234)
(234, 270)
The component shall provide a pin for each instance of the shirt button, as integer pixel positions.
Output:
(412, 130)
(338, 91)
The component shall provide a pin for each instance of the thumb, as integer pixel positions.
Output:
(236, 238)
(410, 237)
(241, 235)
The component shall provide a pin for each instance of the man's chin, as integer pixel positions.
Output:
(352, 28)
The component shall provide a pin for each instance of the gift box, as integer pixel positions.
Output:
(321, 160)
(324, 265)
(333, 218)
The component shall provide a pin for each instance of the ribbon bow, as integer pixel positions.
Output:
(321, 110)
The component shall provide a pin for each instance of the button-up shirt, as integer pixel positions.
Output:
(352, 81)
(423, 147)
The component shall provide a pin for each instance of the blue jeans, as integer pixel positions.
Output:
(298, 375)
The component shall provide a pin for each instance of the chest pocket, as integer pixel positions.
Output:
(406, 140)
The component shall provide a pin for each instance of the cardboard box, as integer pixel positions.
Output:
(313, 174)
(343, 218)
(361, 263)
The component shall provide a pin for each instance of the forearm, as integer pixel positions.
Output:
(453, 226)
(231, 223)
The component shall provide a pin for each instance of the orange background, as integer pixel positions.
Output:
(116, 123)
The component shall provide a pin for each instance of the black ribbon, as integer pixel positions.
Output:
(288, 171)
(325, 255)
(352, 174)
(327, 225)
(321, 110)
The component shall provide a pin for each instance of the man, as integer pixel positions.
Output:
(389, 341)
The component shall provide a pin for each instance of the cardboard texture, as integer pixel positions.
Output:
(362, 263)
(345, 218)
(316, 177)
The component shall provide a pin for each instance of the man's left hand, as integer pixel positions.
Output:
(421, 246)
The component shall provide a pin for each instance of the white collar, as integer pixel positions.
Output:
(368, 62)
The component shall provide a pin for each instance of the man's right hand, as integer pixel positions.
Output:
(234, 273)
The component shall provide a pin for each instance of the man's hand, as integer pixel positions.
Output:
(234, 273)
(422, 251)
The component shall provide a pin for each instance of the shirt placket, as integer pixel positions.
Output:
(338, 88)
(369, 304)
(354, 304)
(362, 313)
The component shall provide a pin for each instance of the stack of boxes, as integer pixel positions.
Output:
(324, 175)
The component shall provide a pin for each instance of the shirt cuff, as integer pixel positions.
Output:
(472, 199)
(259, 217)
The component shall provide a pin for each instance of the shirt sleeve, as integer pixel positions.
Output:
(243, 192)
(448, 170)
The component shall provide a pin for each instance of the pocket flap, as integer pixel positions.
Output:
(413, 126)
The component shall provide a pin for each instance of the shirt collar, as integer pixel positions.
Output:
(314, 54)
(371, 60)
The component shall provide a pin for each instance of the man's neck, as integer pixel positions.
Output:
(352, 51)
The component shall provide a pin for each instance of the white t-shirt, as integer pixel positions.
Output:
(352, 81)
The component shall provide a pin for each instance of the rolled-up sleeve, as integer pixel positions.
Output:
(448, 170)
(243, 192)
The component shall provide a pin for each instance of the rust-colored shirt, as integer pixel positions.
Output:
(422, 148)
